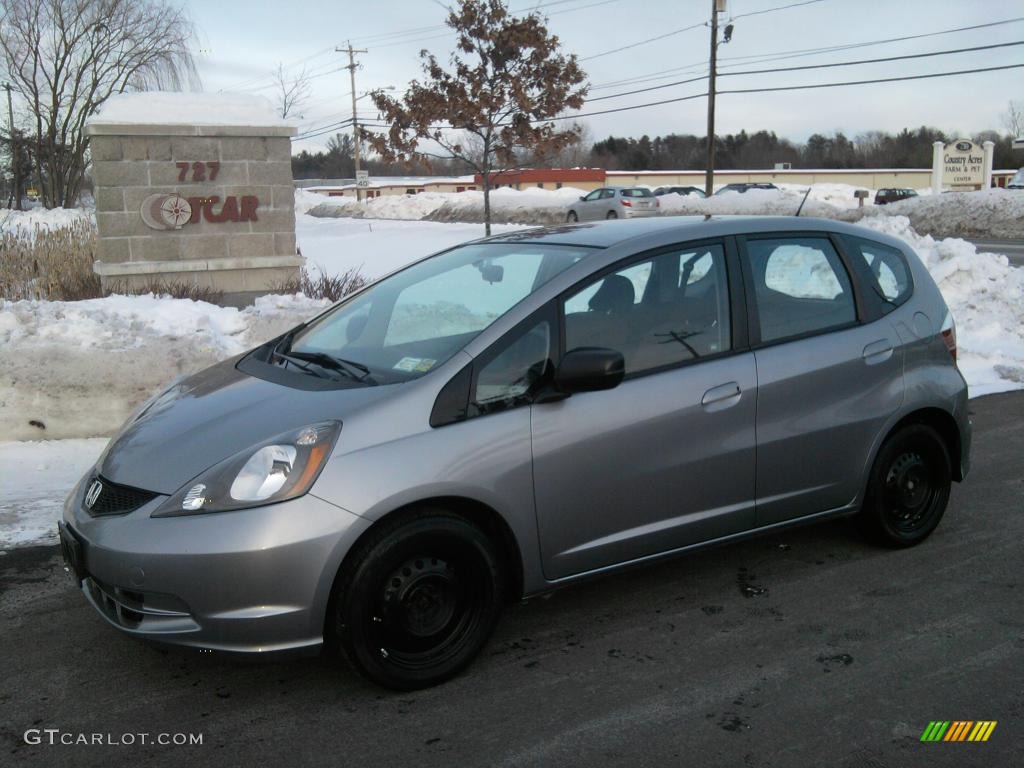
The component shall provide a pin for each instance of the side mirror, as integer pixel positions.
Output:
(583, 198)
(589, 369)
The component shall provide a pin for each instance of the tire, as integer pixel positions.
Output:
(908, 488)
(572, 218)
(419, 600)
(612, 215)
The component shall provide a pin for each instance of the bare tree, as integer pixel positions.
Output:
(292, 94)
(66, 57)
(508, 79)
(1013, 118)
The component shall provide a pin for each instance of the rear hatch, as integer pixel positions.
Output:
(639, 199)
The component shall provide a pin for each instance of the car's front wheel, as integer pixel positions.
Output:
(572, 218)
(419, 600)
(908, 489)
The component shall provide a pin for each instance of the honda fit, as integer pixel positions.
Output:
(518, 413)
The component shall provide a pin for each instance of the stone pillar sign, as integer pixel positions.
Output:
(194, 188)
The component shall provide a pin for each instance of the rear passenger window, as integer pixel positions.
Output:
(659, 312)
(890, 275)
(801, 287)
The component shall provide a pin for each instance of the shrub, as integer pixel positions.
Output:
(321, 286)
(51, 264)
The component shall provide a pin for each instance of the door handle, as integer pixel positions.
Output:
(877, 352)
(721, 396)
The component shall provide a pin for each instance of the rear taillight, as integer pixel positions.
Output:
(627, 203)
(949, 334)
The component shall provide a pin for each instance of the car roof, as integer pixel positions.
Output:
(664, 230)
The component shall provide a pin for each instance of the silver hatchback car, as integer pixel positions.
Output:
(516, 414)
(614, 203)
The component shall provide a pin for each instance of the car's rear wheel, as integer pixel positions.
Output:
(419, 600)
(572, 218)
(612, 215)
(908, 489)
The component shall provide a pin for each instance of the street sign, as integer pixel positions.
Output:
(362, 178)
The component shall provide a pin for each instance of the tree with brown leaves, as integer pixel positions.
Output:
(507, 79)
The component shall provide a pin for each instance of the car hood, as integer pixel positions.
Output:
(211, 416)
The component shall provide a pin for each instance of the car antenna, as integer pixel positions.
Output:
(803, 201)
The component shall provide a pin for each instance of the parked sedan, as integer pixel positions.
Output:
(514, 415)
(885, 196)
(742, 187)
(1017, 182)
(614, 203)
(695, 191)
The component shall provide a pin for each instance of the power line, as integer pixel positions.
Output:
(692, 26)
(643, 42)
(779, 55)
(779, 8)
(869, 82)
(847, 46)
(810, 66)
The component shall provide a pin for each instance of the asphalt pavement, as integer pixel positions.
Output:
(1014, 249)
(804, 648)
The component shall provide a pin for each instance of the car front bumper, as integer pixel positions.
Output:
(250, 581)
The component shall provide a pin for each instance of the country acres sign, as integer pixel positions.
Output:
(963, 164)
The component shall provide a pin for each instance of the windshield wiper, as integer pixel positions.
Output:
(357, 371)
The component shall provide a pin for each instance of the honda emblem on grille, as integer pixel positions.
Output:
(93, 493)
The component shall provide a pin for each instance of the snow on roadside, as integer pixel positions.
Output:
(985, 295)
(46, 472)
(77, 369)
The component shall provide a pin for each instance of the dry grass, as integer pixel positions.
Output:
(56, 265)
(51, 264)
(332, 287)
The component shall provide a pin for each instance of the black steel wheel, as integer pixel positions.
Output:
(909, 487)
(572, 218)
(612, 215)
(420, 600)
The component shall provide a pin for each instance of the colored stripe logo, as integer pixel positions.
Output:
(959, 730)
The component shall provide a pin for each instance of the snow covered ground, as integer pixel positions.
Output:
(80, 367)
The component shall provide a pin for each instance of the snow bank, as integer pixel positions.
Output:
(40, 218)
(76, 369)
(174, 107)
(46, 472)
(986, 296)
(508, 206)
(989, 213)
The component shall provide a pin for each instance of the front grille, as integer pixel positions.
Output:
(115, 499)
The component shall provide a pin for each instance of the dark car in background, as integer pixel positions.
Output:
(742, 187)
(695, 191)
(885, 196)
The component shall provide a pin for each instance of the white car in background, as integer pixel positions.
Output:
(614, 203)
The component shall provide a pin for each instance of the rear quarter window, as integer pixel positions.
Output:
(890, 283)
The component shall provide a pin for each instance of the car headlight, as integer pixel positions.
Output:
(281, 468)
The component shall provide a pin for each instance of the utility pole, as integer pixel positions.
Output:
(15, 170)
(355, 123)
(709, 178)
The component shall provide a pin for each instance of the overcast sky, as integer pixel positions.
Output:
(247, 39)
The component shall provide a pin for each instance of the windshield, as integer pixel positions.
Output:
(1018, 178)
(415, 320)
